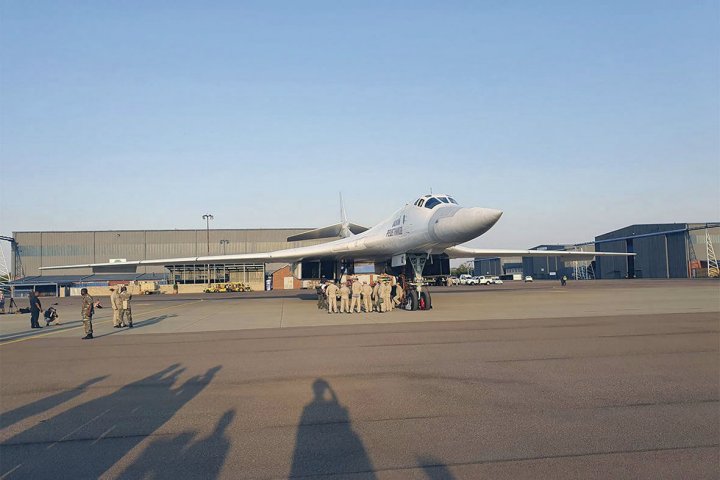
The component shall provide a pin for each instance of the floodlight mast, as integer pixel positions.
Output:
(207, 217)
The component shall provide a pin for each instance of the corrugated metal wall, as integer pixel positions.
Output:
(487, 266)
(657, 256)
(611, 267)
(38, 249)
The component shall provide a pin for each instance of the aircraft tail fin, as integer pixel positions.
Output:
(343, 229)
(343, 213)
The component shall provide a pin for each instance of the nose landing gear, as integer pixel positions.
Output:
(416, 297)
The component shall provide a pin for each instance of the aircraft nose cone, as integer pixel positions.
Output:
(466, 224)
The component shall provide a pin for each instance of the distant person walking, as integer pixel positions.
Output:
(563, 280)
(125, 308)
(35, 309)
(87, 309)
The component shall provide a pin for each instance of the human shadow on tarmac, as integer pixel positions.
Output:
(325, 442)
(435, 469)
(138, 324)
(88, 439)
(31, 333)
(183, 456)
(14, 416)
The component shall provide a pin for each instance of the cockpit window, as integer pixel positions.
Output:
(443, 199)
(452, 200)
(432, 202)
(420, 202)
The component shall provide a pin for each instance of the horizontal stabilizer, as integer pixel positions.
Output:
(327, 232)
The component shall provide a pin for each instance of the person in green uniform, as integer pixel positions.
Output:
(87, 310)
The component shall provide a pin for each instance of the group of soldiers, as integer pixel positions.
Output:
(120, 303)
(357, 297)
(121, 307)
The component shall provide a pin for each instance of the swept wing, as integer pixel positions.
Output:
(337, 249)
(465, 252)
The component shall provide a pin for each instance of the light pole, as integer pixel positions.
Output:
(207, 217)
(224, 243)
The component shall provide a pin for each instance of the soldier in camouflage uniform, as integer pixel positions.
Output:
(125, 308)
(87, 311)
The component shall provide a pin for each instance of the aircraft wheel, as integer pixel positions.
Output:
(425, 295)
(412, 300)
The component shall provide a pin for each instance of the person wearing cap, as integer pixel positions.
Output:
(35, 309)
(87, 309)
(125, 308)
(386, 297)
(366, 297)
(376, 295)
(356, 290)
(332, 292)
(116, 305)
(344, 298)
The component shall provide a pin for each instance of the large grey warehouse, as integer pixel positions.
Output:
(663, 250)
(32, 250)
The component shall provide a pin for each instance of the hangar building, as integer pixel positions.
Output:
(32, 250)
(663, 250)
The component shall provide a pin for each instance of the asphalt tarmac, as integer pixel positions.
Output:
(595, 380)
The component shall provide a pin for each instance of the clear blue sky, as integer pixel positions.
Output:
(575, 118)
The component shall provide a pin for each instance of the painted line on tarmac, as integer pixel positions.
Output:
(2, 344)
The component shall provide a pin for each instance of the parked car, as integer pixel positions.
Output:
(483, 280)
(466, 279)
(497, 281)
(528, 278)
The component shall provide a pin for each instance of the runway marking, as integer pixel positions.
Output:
(96, 323)
(103, 435)
(79, 428)
(9, 472)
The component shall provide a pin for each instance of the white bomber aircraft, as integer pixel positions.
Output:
(432, 225)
